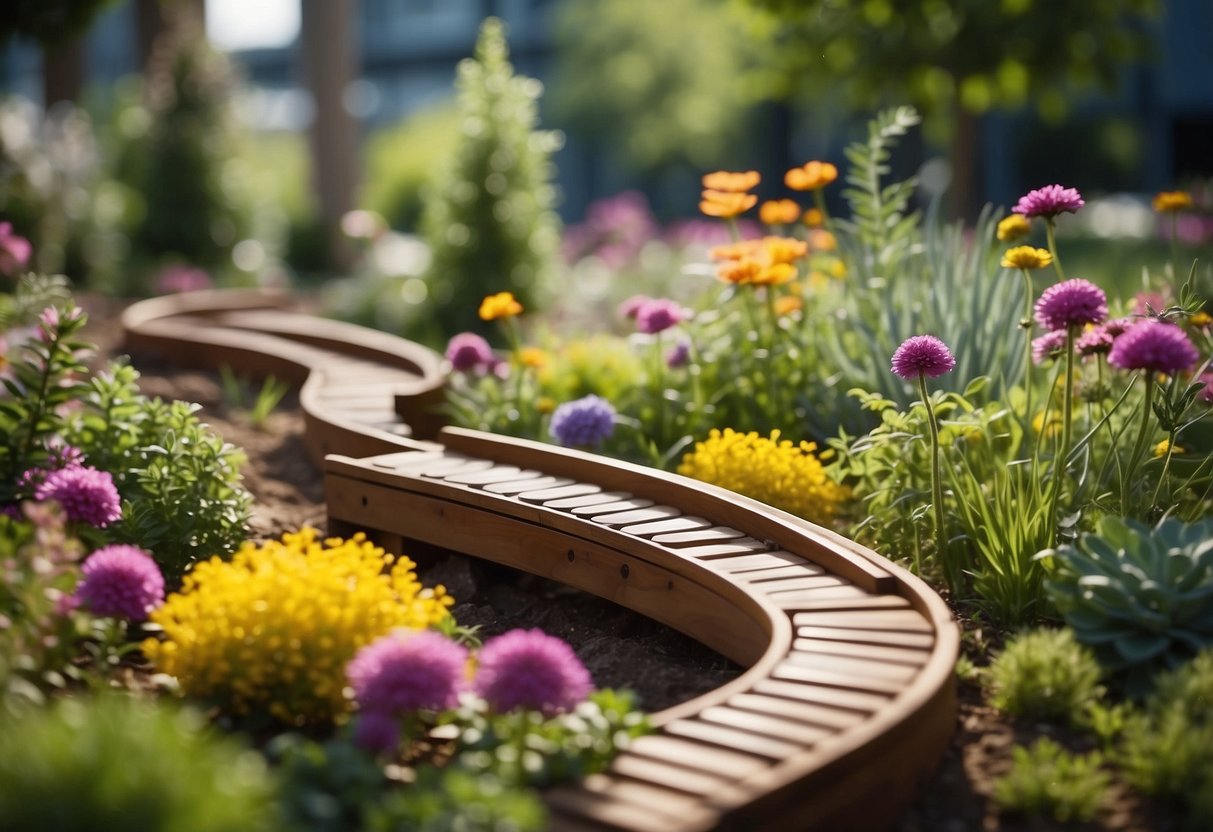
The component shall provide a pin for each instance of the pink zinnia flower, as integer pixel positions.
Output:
(468, 352)
(679, 356)
(1049, 201)
(377, 731)
(1048, 346)
(1095, 341)
(631, 307)
(408, 671)
(658, 315)
(14, 250)
(530, 669)
(1118, 326)
(1153, 345)
(86, 494)
(1071, 303)
(121, 582)
(922, 355)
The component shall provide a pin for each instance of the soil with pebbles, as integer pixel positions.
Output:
(620, 648)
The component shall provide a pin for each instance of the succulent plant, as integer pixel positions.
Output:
(1140, 597)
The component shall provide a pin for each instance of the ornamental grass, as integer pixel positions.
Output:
(273, 629)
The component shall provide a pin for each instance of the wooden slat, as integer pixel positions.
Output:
(498, 473)
(732, 739)
(893, 638)
(899, 620)
(615, 507)
(617, 814)
(759, 576)
(697, 755)
(830, 719)
(810, 581)
(681, 779)
(391, 461)
(766, 724)
(602, 497)
(816, 600)
(729, 548)
(678, 540)
(519, 486)
(673, 524)
(547, 495)
(635, 516)
(865, 684)
(471, 466)
(750, 563)
(846, 665)
(895, 655)
(659, 798)
(863, 701)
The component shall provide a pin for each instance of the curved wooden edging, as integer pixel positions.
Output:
(847, 701)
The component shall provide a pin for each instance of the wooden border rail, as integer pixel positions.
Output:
(848, 698)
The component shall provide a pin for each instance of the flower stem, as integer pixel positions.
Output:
(1166, 466)
(1060, 462)
(937, 486)
(819, 201)
(1061, 275)
(1139, 444)
(1027, 353)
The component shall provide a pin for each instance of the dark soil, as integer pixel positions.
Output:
(620, 648)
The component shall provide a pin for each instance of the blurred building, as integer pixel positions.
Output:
(1157, 130)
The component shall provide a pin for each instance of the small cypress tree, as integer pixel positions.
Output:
(489, 219)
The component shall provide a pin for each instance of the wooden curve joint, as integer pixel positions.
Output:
(848, 699)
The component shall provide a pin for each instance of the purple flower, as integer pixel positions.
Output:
(1153, 345)
(468, 352)
(583, 422)
(679, 356)
(630, 308)
(122, 582)
(530, 669)
(1095, 341)
(922, 355)
(658, 315)
(1048, 346)
(1049, 201)
(408, 671)
(1071, 303)
(86, 494)
(377, 731)
(1206, 395)
(1118, 326)
(14, 250)
(180, 278)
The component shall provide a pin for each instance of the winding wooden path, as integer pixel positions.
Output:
(847, 700)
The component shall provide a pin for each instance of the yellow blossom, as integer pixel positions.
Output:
(1200, 319)
(500, 305)
(784, 249)
(765, 262)
(532, 357)
(724, 180)
(820, 240)
(810, 176)
(726, 204)
(1052, 429)
(778, 212)
(1014, 227)
(545, 405)
(752, 271)
(813, 217)
(787, 304)
(1169, 202)
(1026, 257)
(838, 269)
(1160, 450)
(273, 629)
(779, 472)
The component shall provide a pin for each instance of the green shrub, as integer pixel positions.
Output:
(1047, 781)
(1044, 674)
(1168, 749)
(119, 763)
(401, 158)
(325, 787)
(456, 799)
(1141, 598)
(489, 219)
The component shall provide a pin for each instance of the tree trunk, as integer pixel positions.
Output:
(155, 17)
(329, 66)
(63, 71)
(966, 170)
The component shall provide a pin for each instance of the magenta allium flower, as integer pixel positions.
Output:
(1206, 395)
(922, 355)
(1153, 345)
(1096, 341)
(14, 250)
(180, 278)
(408, 671)
(468, 352)
(1048, 346)
(658, 315)
(1049, 201)
(1118, 326)
(679, 356)
(377, 731)
(121, 581)
(1149, 303)
(1071, 303)
(86, 494)
(631, 307)
(583, 422)
(530, 669)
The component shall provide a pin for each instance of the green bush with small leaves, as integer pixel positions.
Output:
(1140, 597)
(1045, 674)
(116, 762)
(442, 800)
(1046, 781)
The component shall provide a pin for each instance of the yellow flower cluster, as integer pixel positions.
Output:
(274, 628)
(777, 472)
(1170, 202)
(500, 305)
(1026, 257)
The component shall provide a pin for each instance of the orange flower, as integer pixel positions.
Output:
(532, 357)
(822, 240)
(787, 304)
(784, 249)
(813, 217)
(811, 176)
(1172, 201)
(736, 251)
(723, 180)
(778, 212)
(500, 305)
(750, 271)
(726, 204)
